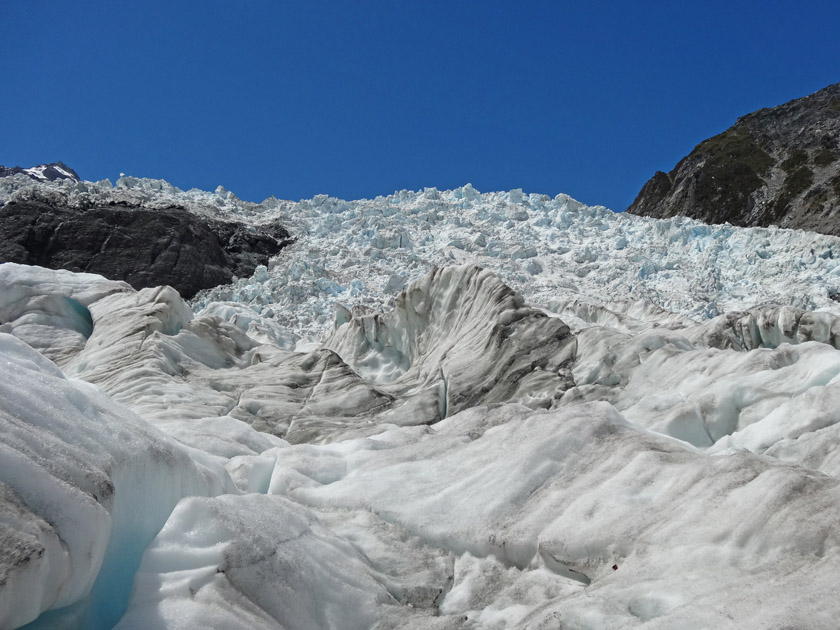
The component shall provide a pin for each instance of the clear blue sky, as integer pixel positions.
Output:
(360, 98)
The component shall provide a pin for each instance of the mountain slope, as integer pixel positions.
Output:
(42, 172)
(776, 166)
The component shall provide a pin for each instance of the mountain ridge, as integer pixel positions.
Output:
(775, 166)
(42, 172)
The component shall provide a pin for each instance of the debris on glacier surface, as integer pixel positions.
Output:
(437, 409)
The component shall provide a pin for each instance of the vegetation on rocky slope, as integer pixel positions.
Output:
(776, 166)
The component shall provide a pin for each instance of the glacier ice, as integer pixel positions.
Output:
(559, 250)
(437, 409)
(441, 324)
(577, 491)
(87, 485)
(289, 571)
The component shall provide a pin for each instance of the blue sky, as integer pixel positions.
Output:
(356, 99)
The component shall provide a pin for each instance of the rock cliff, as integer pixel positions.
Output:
(143, 246)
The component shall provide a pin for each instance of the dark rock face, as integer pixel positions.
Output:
(42, 172)
(142, 246)
(777, 166)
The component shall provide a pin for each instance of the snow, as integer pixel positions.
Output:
(437, 409)
(62, 171)
(37, 172)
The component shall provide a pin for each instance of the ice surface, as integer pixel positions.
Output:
(287, 571)
(595, 421)
(511, 518)
(458, 338)
(49, 309)
(89, 486)
(464, 333)
(560, 498)
(551, 250)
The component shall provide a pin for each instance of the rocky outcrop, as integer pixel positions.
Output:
(145, 247)
(777, 166)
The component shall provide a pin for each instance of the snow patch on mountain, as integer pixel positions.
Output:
(42, 172)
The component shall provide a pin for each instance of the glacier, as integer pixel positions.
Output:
(436, 409)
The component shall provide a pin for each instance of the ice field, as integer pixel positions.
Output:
(437, 409)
